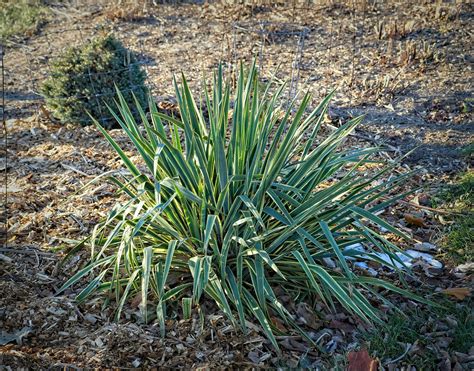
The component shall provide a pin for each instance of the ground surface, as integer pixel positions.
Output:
(407, 67)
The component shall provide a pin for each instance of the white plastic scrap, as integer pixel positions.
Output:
(409, 259)
(427, 258)
(356, 247)
(328, 262)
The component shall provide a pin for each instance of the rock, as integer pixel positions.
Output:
(424, 200)
(470, 358)
(5, 258)
(451, 321)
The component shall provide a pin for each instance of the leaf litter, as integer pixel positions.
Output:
(49, 163)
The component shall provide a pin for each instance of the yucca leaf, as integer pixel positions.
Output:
(146, 271)
(330, 238)
(83, 272)
(186, 304)
(124, 297)
(241, 195)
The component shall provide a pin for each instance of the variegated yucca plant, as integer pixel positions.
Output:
(230, 204)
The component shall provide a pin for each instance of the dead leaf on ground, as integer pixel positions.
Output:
(307, 316)
(344, 326)
(293, 345)
(278, 324)
(414, 220)
(458, 292)
(361, 361)
(136, 300)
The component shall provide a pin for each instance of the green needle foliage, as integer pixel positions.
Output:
(84, 78)
(235, 203)
(21, 18)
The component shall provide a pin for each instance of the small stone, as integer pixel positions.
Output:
(5, 258)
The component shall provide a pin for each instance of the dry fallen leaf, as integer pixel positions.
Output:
(414, 220)
(307, 316)
(361, 361)
(293, 345)
(344, 326)
(278, 324)
(136, 300)
(458, 292)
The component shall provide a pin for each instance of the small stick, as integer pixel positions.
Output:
(439, 211)
(18, 251)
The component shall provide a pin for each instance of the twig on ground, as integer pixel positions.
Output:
(439, 211)
(25, 251)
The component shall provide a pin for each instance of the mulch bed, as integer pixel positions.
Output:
(48, 164)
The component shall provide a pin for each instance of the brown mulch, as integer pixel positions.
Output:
(409, 97)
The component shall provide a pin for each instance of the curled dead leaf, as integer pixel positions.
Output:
(278, 324)
(414, 220)
(458, 292)
(136, 300)
(361, 361)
